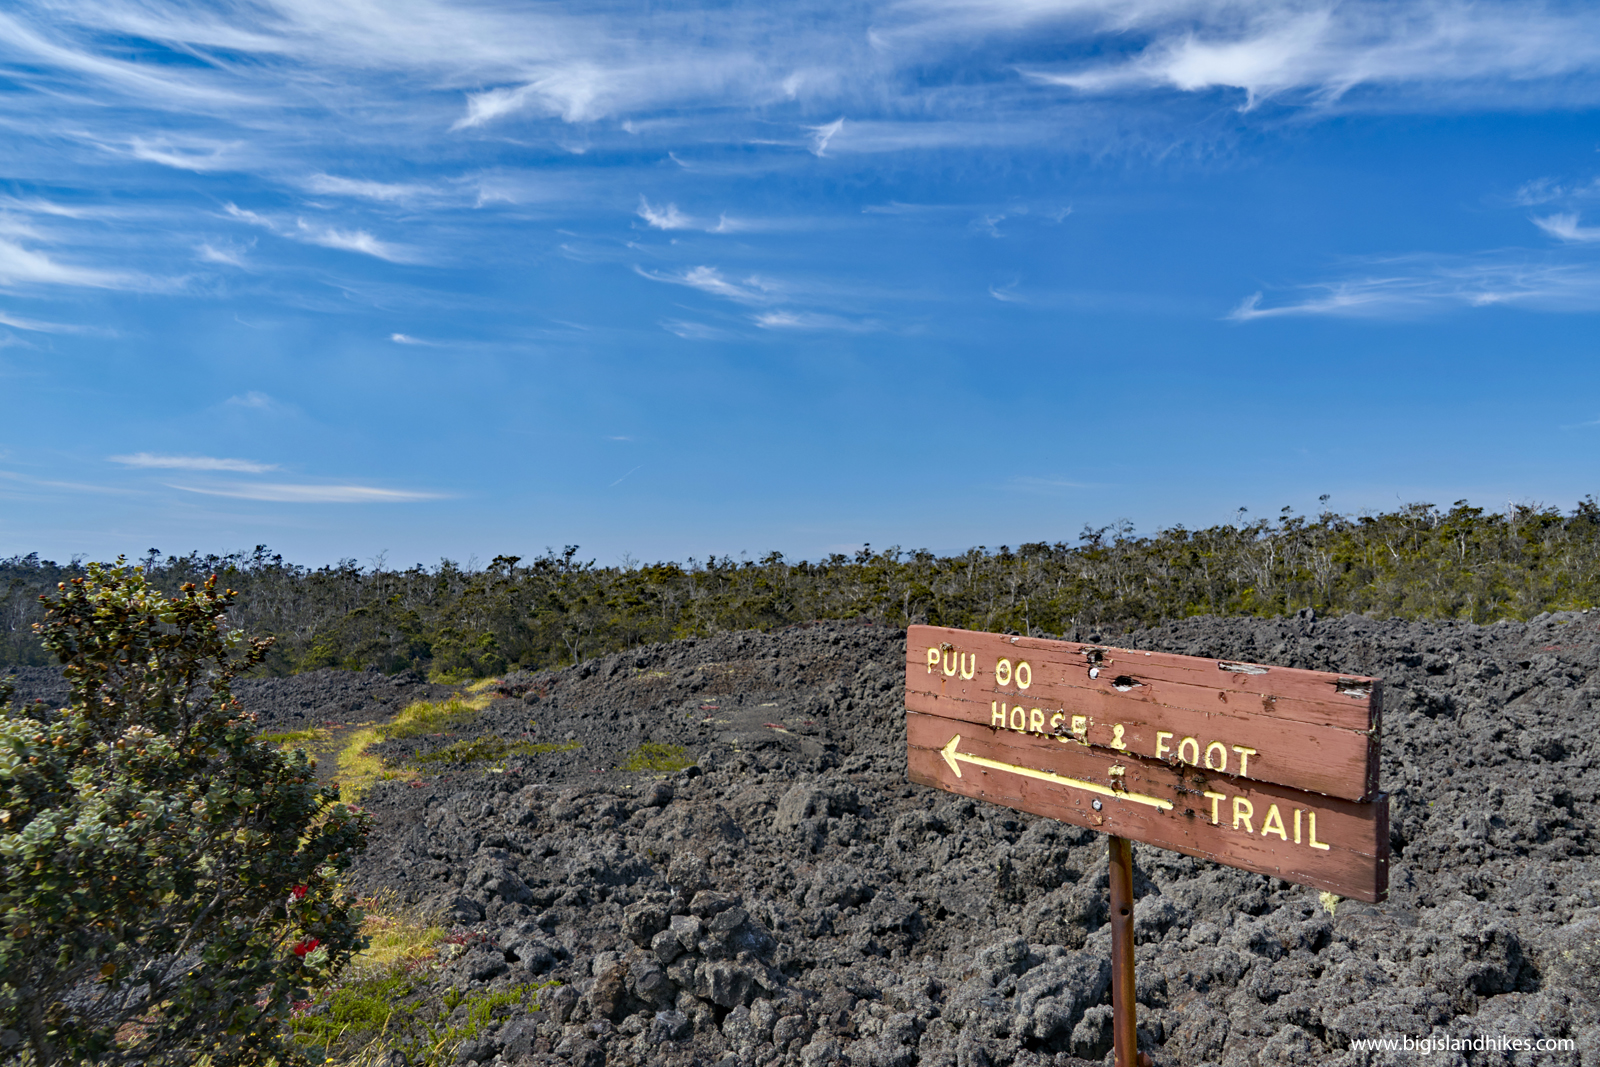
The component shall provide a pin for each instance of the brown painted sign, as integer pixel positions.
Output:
(1270, 769)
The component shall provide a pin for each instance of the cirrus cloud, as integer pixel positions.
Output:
(311, 494)
(157, 461)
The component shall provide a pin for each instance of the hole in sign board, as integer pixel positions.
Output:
(1122, 683)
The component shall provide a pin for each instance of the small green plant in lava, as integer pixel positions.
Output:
(482, 749)
(654, 756)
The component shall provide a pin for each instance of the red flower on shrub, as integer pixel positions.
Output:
(303, 947)
(297, 893)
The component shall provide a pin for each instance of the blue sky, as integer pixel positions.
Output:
(432, 278)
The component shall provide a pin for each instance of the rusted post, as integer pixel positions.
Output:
(1124, 1020)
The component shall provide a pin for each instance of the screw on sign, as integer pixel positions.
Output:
(1269, 769)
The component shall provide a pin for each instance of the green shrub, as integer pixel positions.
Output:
(166, 879)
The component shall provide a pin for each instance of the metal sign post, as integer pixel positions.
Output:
(1269, 769)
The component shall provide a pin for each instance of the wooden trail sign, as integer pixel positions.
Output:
(1269, 769)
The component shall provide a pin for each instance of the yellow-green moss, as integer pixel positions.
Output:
(654, 756)
(359, 768)
(294, 738)
(480, 749)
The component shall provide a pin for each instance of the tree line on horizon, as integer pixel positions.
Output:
(456, 622)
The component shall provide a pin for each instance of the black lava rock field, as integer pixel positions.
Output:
(789, 898)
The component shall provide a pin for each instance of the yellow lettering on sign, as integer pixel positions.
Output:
(1036, 721)
(1024, 674)
(1116, 738)
(1002, 672)
(1189, 751)
(1162, 737)
(933, 658)
(1217, 746)
(1215, 798)
(1273, 824)
(1297, 814)
(969, 665)
(1244, 758)
(1243, 812)
(1019, 719)
(1080, 728)
(997, 715)
(1311, 817)
(951, 661)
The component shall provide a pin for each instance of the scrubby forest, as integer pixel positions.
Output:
(456, 622)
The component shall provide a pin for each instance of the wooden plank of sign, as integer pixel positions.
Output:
(1308, 730)
(1306, 838)
(1287, 692)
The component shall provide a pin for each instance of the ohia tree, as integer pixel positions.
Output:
(166, 880)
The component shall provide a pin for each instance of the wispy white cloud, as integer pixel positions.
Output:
(407, 339)
(670, 218)
(1419, 285)
(1541, 191)
(1431, 49)
(578, 91)
(696, 331)
(753, 290)
(317, 233)
(364, 188)
(667, 218)
(82, 487)
(225, 252)
(158, 461)
(310, 494)
(989, 224)
(201, 157)
(34, 205)
(19, 265)
(17, 322)
(821, 135)
(1566, 228)
(351, 241)
(812, 320)
(1045, 486)
(255, 401)
(895, 207)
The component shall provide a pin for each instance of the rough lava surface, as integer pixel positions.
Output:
(791, 899)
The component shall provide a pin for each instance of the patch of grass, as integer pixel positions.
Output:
(291, 739)
(481, 749)
(432, 717)
(354, 1011)
(361, 1021)
(359, 768)
(397, 936)
(481, 1008)
(383, 1003)
(654, 756)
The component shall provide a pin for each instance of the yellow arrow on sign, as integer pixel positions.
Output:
(951, 756)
